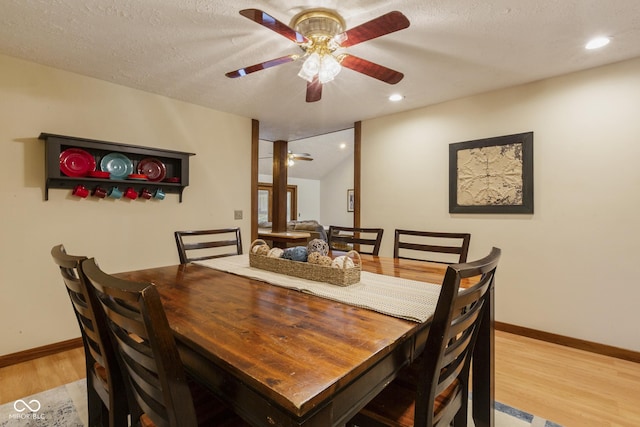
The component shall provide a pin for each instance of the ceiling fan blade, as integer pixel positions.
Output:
(385, 24)
(314, 90)
(300, 156)
(261, 66)
(273, 24)
(371, 69)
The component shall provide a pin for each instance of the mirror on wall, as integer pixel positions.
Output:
(322, 183)
(265, 202)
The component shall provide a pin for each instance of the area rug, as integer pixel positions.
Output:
(66, 406)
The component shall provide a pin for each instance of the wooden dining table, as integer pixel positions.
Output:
(281, 357)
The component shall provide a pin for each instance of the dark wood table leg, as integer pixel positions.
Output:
(483, 380)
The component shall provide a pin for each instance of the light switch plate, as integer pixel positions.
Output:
(237, 214)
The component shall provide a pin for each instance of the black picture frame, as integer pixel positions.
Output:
(458, 176)
(351, 200)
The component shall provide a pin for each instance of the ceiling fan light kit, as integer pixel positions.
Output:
(325, 68)
(310, 67)
(321, 27)
(329, 68)
(319, 33)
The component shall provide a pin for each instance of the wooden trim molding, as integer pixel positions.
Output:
(280, 173)
(603, 349)
(34, 353)
(255, 152)
(357, 172)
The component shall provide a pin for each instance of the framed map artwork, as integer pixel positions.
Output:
(492, 175)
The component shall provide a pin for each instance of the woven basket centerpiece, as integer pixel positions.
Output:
(342, 271)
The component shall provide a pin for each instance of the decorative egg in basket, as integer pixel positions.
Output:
(261, 249)
(297, 253)
(342, 262)
(325, 260)
(313, 257)
(318, 245)
(275, 253)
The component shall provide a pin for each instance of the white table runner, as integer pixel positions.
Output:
(394, 296)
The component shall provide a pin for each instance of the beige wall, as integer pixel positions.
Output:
(569, 268)
(566, 269)
(308, 196)
(333, 193)
(121, 235)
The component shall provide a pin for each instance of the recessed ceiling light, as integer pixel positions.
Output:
(396, 97)
(343, 146)
(597, 42)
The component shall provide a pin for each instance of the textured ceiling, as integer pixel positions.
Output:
(182, 49)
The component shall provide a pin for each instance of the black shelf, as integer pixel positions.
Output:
(176, 163)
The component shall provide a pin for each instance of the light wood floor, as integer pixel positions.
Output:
(568, 386)
(571, 387)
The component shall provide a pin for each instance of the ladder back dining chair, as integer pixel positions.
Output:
(434, 389)
(431, 246)
(348, 238)
(154, 371)
(198, 245)
(106, 398)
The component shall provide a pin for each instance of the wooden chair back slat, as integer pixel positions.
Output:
(192, 245)
(347, 238)
(107, 403)
(425, 245)
(147, 347)
(436, 385)
(454, 331)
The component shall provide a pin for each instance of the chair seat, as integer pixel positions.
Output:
(210, 411)
(395, 405)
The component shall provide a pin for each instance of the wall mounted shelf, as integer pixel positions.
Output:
(176, 163)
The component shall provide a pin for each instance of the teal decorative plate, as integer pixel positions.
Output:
(118, 165)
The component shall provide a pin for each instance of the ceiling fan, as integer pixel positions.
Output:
(299, 156)
(320, 33)
(291, 157)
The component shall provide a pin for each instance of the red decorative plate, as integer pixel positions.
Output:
(76, 162)
(138, 176)
(99, 174)
(153, 168)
